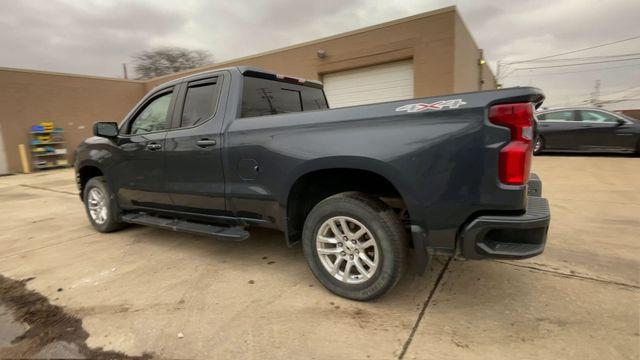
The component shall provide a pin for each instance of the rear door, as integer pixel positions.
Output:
(605, 132)
(139, 178)
(255, 167)
(560, 130)
(195, 179)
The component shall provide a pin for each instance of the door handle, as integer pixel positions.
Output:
(203, 143)
(586, 125)
(154, 146)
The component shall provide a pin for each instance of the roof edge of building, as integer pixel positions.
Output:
(54, 73)
(331, 37)
(230, 61)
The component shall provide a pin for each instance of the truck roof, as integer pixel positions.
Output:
(249, 71)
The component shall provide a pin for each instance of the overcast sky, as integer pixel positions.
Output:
(96, 37)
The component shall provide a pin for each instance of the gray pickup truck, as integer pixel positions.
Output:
(360, 187)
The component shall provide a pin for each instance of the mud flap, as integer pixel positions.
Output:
(420, 247)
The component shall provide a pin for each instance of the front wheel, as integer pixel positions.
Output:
(355, 245)
(538, 145)
(100, 206)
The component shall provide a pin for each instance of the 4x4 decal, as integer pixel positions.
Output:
(438, 105)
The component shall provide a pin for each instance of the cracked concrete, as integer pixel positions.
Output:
(574, 275)
(578, 300)
(137, 289)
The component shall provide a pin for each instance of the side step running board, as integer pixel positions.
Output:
(225, 233)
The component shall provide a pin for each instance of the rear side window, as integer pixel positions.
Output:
(200, 102)
(556, 116)
(597, 116)
(269, 97)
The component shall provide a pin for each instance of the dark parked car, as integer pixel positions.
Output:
(586, 129)
(220, 151)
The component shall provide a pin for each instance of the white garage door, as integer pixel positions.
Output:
(379, 83)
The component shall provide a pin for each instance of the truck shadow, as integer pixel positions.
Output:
(266, 251)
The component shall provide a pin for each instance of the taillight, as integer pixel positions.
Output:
(515, 157)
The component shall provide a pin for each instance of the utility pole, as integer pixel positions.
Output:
(124, 70)
(595, 95)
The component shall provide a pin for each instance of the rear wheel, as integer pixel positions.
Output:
(100, 205)
(538, 145)
(355, 245)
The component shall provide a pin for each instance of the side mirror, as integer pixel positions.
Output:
(105, 129)
(621, 122)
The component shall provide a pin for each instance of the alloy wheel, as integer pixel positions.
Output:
(347, 250)
(538, 145)
(97, 205)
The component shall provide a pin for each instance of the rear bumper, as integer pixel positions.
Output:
(508, 237)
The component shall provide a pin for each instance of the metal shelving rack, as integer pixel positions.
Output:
(48, 159)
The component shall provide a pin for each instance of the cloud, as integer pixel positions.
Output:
(95, 37)
(522, 30)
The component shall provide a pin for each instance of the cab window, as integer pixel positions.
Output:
(153, 116)
(200, 102)
(262, 97)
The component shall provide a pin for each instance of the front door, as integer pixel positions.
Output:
(193, 149)
(139, 178)
(606, 132)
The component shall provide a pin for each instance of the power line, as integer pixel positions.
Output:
(575, 72)
(623, 90)
(574, 51)
(618, 100)
(569, 104)
(578, 64)
(576, 103)
(589, 58)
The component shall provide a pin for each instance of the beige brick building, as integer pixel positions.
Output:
(427, 54)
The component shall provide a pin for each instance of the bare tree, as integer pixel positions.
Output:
(168, 60)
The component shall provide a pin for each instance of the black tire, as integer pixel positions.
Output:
(383, 224)
(112, 221)
(539, 150)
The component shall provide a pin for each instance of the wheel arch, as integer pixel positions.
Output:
(319, 179)
(86, 172)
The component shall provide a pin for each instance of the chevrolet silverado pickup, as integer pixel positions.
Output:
(359, 187)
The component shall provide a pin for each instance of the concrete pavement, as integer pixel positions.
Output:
(137, 290)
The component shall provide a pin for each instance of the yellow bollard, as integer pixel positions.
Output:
(24, 159)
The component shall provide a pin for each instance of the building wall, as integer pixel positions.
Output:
(4, 167)
(467, 70)
(443, 53)
(426, 38)
(72, 102)
(490, 81)
(632, 113)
